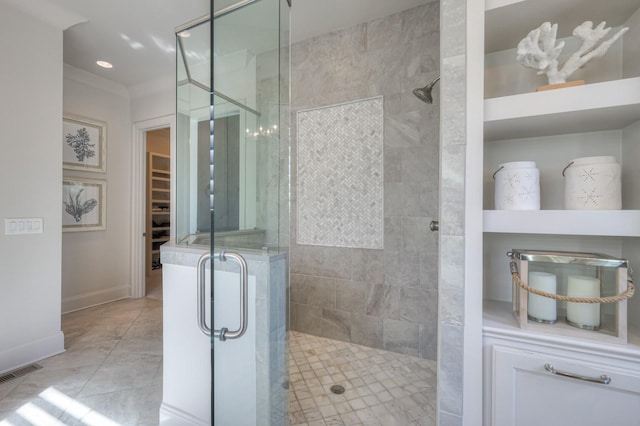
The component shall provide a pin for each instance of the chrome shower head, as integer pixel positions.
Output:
(424, 93)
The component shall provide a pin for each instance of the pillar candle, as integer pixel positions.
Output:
(585, 314)
(540, 307)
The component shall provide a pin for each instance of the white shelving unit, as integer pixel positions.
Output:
(618, 223)
(593, 107)
(552, 128)
(158, 208)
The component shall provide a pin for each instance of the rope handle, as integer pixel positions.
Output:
(609, 299)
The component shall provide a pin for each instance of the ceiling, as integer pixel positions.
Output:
(137, 37)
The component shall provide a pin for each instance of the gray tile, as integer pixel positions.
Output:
(448, 419)
(34, 412)
(418, 305)
(336, 325)
(421, 20)
(454, 20)
(394, 201)
(384, 301)
(401, 337)
(384, 32)
(366, 330)
(308, 319)
(453, 109)
(428, 341)
(298, 288)
(351, 296)
(402, 130)
(421, 164)
(429, 268)
(392, 164)
(122, 373)
(138, 406)
(393, 233)
(321, 292)
(450, 380)
(68, 380)
(329, 262)
(452, 306)
(416, 234)
(452, 262)
(401, 269)
(80, 355)
(368, 265)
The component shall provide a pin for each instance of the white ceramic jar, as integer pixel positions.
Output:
(517, 186)
(592, 183)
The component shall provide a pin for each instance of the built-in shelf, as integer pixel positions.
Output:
(623, 223)
(498, 321)
(157, 178)
(592, 107)
(508, 21)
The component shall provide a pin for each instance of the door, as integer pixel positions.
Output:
(232, 184)
(248, 314)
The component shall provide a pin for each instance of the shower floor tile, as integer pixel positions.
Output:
(380, 387)
(95, 373)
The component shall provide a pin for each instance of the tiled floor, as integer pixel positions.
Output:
(381, 388)
(111, 374)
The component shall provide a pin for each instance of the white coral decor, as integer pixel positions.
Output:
(538, 50)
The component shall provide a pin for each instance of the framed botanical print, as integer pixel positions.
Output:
(84, 204)
(84, 144)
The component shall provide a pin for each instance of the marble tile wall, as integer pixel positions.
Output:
(384, 298)
(452, 227)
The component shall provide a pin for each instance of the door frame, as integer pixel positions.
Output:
(138, 193)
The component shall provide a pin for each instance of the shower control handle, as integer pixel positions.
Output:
(434, 226)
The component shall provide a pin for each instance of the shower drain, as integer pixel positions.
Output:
(337, 389)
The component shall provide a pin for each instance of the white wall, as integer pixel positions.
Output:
(159, 103)
(96, 264)
(31, 186)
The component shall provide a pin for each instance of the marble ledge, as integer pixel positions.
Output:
(183, 255)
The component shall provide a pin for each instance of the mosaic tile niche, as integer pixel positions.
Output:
(340, 175)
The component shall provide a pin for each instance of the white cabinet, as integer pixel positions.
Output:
(526, 393)
(552, 128)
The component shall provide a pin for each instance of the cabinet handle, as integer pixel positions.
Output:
(604, 379)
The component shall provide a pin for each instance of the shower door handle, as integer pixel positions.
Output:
(434, 226)
(224, 333)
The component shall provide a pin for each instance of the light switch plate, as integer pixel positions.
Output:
(23, 225)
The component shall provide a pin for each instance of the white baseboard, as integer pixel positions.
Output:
(31, 352)
(94, 298)
(172, 416)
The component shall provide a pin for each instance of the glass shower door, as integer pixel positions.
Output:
(232, 199)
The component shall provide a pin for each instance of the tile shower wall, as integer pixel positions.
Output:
(383, 298)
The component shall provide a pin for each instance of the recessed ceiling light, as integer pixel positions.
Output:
(104, 64)
(184, 34)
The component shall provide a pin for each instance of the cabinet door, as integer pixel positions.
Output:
(525, 394)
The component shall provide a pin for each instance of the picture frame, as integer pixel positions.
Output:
(84, 144)
(84, 204)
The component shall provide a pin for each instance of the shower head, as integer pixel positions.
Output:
(424, 93)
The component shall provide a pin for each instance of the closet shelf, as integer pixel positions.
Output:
(624, 223)
(592, 107)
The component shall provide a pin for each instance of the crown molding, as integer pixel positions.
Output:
(48, 12)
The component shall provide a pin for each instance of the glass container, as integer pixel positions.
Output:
(578, 276)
